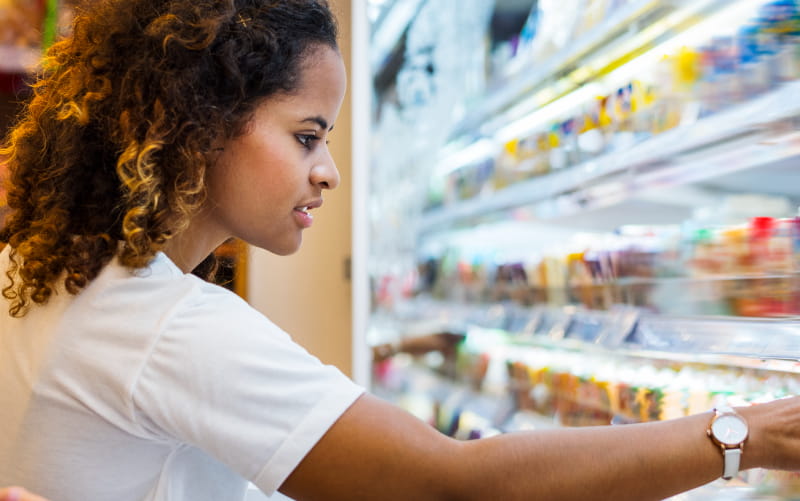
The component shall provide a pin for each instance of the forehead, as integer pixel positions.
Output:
(321, 86)
(321, 69)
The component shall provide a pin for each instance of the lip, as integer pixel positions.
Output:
(304, 219)
(314, 204)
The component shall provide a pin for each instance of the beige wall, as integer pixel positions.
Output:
(308, 294)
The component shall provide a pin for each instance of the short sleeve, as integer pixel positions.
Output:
(223, 378)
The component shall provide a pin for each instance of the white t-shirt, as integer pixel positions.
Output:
(156, 386)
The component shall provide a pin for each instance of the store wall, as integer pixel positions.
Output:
(309, 293)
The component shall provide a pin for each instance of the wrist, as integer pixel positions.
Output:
(728, 431)
(756, 444)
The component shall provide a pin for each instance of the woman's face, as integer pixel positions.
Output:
(266, 181)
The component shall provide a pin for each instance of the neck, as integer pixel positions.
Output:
(189, 249)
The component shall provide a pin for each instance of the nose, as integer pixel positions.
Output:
(325, 174)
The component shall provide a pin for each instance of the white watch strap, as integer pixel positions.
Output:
(731, 459)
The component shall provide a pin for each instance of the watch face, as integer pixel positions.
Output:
(729, 429)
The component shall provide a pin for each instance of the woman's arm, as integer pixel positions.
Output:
(376, 451)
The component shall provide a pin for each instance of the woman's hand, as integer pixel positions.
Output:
(18, 494)
(774, 440)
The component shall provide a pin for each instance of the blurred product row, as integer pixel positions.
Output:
(498, 383)
(750, 269)
(677, 89)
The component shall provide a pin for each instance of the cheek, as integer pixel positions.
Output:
(256, 169)
(263, 180)
(233, 175)
(275, 175)
(221, 184)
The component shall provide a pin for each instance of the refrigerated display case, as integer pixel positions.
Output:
(606, 211)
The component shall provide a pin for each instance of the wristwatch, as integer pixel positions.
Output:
(728, 430)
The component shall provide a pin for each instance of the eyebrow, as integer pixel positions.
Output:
(319, 121)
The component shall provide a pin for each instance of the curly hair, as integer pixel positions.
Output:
(110, 154)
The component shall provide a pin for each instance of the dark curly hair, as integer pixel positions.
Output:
(110, 154)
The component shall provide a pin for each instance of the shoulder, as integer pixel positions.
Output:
(159, 310)
(161, 293)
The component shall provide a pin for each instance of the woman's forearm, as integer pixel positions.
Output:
(637, 462)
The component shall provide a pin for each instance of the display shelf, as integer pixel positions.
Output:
(511, 353)
(466, 413)
(733, 140)
(620, 28)
(748, 344)
(563, 383)
(732, 341)
(763, 339)
(734, 161)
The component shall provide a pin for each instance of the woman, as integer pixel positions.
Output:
(157, 131)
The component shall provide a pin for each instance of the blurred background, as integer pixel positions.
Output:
(598, 197)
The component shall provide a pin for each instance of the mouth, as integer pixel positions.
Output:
(305, 219)
(306, 208)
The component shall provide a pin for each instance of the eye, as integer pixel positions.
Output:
(307, 140)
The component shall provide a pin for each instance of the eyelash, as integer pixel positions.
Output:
(307, 140)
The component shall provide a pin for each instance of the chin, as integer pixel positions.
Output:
(278, 243)
(284, 252)
(283, 249)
